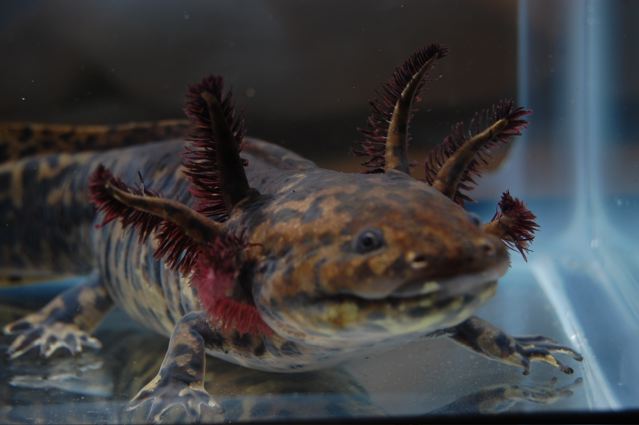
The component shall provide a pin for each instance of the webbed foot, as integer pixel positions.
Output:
(484, 338)
(65, 322)
(47, 337)
(161, 402)
(540, 349)
(178, 388)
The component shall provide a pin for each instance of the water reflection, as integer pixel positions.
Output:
(96, 386)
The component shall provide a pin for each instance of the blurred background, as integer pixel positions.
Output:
(303, 71)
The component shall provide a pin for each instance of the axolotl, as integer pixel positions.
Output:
(243, 250)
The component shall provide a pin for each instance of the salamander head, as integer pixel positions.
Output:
(361, 258)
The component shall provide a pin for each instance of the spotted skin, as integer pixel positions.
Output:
(325, 302)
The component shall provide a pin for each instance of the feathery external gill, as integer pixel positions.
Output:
(211, 158)
(215, 277)
(453, 166)
(514, 223)
(180, 231)
(386, 134)
(195, 242)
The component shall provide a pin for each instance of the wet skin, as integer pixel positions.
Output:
(264, 260)
(341, 265)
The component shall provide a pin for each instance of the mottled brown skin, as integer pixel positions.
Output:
(324, 301)
(23, 139)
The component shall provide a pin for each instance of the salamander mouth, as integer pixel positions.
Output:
(417, 290)
(438, 293)
(412, 308)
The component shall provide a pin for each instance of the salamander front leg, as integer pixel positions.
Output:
(483, 338)
(66, 322)
(180, 381)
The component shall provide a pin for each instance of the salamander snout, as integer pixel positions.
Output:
(482, 251)
(485, 251)
(488, 246)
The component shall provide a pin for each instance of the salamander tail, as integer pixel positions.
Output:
(23, 139)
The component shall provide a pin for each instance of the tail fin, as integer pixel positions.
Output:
(22, 139)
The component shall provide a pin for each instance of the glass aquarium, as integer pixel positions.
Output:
(304, 72)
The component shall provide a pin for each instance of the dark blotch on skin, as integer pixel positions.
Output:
(255, 213)
(287, 275)
(467, 334)
(284, 215)
(69, 339)
(29, 150)
(398, 266)
(289, 348)
(346, 246)
(242, 290)
(53, 161)
(271, 348)
(102, 303)
(362, 272)
(418, 312)
(242, 340)
(91, 139)
(503, 342)
(259, 350)
(66, 313)
(314, 212)
(316, 274)
(181, 349)
(376, 315)
(326, 238)
(47, 143)
(215, 340)
(67, 136)
(25, 134)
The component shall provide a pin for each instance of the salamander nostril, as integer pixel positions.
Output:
(487, 248)
(418, 261)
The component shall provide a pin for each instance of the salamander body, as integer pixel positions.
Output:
(246, 251)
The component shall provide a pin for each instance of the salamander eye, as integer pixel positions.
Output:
(369, 240)
(475, 219)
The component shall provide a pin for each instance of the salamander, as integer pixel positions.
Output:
(243, 250)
